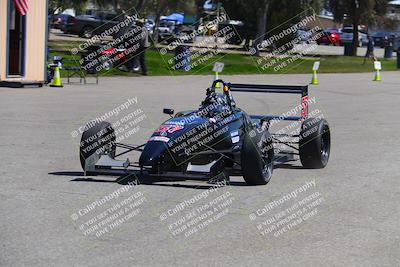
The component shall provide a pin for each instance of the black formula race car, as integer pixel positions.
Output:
(218, 138)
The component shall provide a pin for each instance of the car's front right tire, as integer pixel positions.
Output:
(257, 158)
(97, 139)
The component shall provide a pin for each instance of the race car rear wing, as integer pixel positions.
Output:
(280, 89)
(260, 88)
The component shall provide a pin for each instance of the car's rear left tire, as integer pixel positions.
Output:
(87, 32)
(106, 65)
(257, 158)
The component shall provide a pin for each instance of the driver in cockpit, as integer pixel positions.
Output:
(214, 104)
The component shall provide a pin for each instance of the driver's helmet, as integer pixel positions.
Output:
(215, 103)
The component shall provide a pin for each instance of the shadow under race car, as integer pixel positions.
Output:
(218, 138)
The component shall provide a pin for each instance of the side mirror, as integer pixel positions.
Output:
(168, 111)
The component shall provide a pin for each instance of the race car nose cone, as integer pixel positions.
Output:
(152, 153)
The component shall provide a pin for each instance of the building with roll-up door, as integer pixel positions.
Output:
(23, 42)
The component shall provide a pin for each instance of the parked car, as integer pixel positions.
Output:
(237, 28)
(396, 41)
(166, 30)
(61, 21)
(329, 37)
(303, 35)
(89, 25)
(149, 24)
(210, 6)
(347, 36)
(380, 38)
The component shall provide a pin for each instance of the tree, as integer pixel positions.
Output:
(129, 6)
(358, 12)
(78, 5)
(158, 8)
(254, 14)
(260, 16)
(262, 13)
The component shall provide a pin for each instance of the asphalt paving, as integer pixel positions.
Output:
(347, 214)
